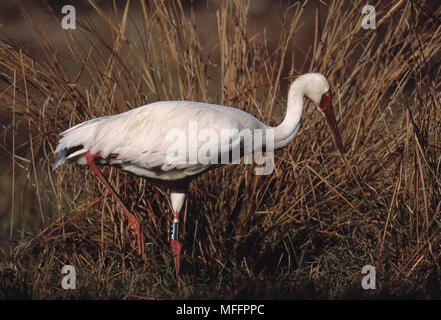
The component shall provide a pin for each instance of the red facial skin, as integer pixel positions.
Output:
(328, 110)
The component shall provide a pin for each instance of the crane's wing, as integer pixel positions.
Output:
(165, 140)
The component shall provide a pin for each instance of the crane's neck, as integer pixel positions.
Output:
(287, 130)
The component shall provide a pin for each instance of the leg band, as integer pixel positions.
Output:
(174, 229)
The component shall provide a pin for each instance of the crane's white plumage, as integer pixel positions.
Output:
(138, 136)
(136, 140)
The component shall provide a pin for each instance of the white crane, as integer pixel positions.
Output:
(138, 141)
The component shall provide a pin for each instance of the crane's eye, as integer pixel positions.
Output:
(326, 100)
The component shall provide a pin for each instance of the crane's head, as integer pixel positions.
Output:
(317, 88)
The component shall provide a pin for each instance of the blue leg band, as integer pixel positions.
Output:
(174, 229)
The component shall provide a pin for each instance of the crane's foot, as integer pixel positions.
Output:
(135, 227)
(176, 247)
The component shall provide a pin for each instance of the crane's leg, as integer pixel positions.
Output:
(176, 245)
(133, 224)
(177, 199)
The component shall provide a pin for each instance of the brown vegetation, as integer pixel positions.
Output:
(305, 231)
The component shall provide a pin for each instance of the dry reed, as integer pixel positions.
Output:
(305, 231)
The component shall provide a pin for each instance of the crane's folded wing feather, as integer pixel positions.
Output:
(160, 139)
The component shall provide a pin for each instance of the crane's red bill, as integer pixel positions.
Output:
(328, 110)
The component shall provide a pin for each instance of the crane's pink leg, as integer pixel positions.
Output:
(133, 224)
(176, 245)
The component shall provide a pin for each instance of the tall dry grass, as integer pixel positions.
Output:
(305, 231)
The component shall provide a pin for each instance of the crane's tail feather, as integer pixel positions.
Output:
(68, 154)
(60, 159)
(74, 141)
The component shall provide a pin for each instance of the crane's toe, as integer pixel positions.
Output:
(135, 227)
(176, 247)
